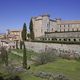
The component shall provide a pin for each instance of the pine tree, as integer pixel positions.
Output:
(24, 32)
(24, 57)
(31, 30)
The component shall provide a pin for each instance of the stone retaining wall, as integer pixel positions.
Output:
(37, 47)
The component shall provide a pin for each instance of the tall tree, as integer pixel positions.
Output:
(24, 57)
(31, 30)
(16, 44)
(4, 55)
(21, 44)
(24, 32)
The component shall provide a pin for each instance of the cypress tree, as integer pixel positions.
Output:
(31, 30)
(24, 57)
(16, 44)
(21, 44)
(24, 32)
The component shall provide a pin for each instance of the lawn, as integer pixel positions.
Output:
(29, 53)
(70, 68)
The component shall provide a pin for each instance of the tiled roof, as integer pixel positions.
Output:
(11, 36)
(70, 22)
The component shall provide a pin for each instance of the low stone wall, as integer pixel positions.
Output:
(37, 47)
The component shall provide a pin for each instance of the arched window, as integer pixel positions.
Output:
(45, 38)
(59, 39)
(65, 39)
(74, 39)
(69, 39)
(52, 38)
(55, 39)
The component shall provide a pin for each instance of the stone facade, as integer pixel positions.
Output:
(38, 47)
(55, 28)
(70, 36)
(40, 25)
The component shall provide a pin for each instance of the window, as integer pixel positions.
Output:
(72, 29)
(69, 39)
(65, 39)
(60, 26)
(45, 38)
(48, 38)
(52, 38)
(74, 39)
(59, 39)
(55, 39)
(60, 30)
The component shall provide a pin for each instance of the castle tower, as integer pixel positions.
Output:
(40, 25)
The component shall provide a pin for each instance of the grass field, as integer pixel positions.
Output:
(70, 68)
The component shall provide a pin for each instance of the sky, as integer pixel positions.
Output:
(13, 13)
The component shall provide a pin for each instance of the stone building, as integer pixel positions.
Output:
(14, 35)
(43, 27)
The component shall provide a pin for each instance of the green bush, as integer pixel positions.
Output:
(60, 42)
(45, 57)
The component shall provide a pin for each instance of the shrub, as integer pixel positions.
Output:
(45, 57)
(50, 76)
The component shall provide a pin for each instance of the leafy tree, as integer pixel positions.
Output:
(24, 57)
(28, 35)
(31, 30)
(24, 32)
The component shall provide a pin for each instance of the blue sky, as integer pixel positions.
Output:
(13, 13)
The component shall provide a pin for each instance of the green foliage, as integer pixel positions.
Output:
(28, 35)
(24, 32)
(70, 68)
(16, 44)
(45, 57)
(58, 42)
(24, 57)
(4, 55)
(31, 30)
(21, 43)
